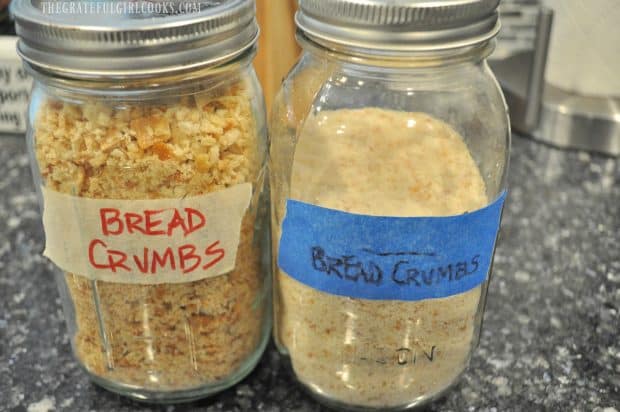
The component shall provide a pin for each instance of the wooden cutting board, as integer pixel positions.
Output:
(277, 48)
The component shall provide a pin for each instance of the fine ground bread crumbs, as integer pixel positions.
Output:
(165, 337)
(379, 162)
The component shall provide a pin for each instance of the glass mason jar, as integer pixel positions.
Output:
(148, 143)
(389, 149)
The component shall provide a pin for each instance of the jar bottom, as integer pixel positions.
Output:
(415, 404)
(184, 395)
(315, 392)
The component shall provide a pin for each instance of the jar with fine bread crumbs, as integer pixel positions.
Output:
(148, 145)
(389, 151)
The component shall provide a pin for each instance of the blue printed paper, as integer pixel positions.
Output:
(388, 258)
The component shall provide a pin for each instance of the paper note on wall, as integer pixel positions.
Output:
(15, 87)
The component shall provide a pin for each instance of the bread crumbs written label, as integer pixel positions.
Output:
(388, 258)
(145, 241)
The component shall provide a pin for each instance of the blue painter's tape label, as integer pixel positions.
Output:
(388, 258)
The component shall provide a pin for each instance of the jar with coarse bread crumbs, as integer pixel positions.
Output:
(148, 145)
(389, 151)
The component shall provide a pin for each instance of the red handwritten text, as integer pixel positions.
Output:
(151, 222)
(185, 257)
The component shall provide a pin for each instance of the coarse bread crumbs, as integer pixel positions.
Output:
(388, 163)
(165, 337)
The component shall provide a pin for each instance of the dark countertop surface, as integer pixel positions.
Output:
(551, 339)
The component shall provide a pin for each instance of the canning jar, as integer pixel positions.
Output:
(389, 148)
(148, 145)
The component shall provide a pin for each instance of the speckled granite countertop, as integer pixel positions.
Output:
(551, 339)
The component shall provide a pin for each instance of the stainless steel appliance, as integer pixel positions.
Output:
(539, 108)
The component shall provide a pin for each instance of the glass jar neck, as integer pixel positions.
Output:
(180, 82)
(409, 61)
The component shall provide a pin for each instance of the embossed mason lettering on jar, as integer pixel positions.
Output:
(148, 145)
(389, 152)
